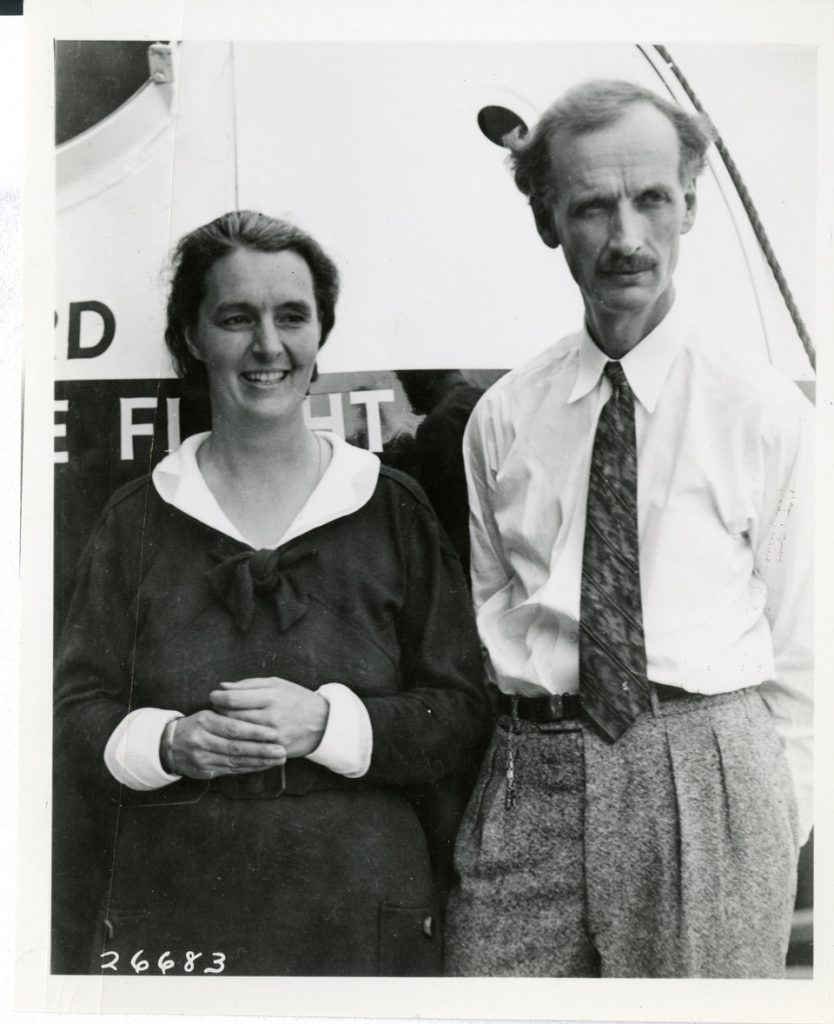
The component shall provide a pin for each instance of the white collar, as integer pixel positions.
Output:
(646, 366)
(345, 486)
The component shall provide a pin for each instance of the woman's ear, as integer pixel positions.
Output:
(191, 345)
(543, 216)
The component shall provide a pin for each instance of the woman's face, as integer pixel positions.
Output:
(258, 334)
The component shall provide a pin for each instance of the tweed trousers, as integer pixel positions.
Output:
(670, 853)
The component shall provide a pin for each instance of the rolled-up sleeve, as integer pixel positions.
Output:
(132, 752)
(347, 742)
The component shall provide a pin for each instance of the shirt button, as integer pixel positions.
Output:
(572, 638)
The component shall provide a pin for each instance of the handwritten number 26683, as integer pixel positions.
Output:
(110, 960)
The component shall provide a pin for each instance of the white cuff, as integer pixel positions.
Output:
(132, 752)
(348, 737)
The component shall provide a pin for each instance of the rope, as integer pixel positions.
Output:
(752, 213)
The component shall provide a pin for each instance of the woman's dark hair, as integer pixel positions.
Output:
(199, 250)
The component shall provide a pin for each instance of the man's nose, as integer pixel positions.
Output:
(267, 341)
(626, 230)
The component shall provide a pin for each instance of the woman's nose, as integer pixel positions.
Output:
(267, 340)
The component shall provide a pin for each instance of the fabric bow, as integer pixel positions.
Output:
(236, 580)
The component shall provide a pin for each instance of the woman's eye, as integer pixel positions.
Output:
(236, 320)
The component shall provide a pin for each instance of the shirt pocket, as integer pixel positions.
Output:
(692, 559)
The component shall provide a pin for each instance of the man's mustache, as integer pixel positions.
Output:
(627, 265)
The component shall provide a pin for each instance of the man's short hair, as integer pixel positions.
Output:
(587, 108)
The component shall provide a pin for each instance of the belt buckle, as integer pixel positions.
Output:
(564, 706)
(551, 709)
(254, 785)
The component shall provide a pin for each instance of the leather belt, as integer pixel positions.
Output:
(557, 707)
(669, 693)
(562, 707)
(297, 778)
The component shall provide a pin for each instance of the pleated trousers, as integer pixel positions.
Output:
(670, 853)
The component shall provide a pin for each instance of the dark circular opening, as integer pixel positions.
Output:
(496, 122)
(92, 79)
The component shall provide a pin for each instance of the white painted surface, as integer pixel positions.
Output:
(374, 148)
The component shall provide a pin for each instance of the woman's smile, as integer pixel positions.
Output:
(265, 378)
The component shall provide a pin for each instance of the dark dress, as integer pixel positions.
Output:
(287, 871)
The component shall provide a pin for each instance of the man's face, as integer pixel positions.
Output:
(619, 213)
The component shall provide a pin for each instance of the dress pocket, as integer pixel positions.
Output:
(409, 942)
(119, 935)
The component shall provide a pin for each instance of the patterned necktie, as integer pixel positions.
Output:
(612, 649)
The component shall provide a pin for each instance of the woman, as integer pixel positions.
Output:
(269, 656)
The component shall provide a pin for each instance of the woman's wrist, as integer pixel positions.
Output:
(317, 722)
(166, 748)
(347, 743)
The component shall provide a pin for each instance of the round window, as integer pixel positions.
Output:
(92, 79)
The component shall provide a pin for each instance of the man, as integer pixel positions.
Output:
(446, 400)
(641, 521)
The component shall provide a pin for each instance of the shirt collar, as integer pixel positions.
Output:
(345, 486)
(646, 366)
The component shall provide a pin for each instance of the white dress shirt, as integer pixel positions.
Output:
(725, 518)
(132, 752)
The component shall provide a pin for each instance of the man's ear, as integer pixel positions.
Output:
(544, 223)
(691, 206)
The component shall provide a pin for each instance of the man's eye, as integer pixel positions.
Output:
(653, 198)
